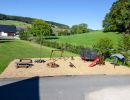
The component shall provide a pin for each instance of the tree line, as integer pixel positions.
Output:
(29, 20)
(75, 29)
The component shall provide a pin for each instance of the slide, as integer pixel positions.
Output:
(94, 62)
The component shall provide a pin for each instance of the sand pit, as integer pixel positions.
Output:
(81, 68)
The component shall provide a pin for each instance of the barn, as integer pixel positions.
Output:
(7, 30)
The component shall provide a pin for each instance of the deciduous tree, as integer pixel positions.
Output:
(118, 19)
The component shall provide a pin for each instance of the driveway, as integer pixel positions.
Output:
(99, 87)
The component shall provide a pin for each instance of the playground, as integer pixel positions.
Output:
(66, 66)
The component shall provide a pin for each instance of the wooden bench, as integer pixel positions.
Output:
(24, 63)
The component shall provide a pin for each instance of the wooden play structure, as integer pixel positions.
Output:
(72, 58)
(72, 65)
(61, 53)
(52, 64)
(24, 63)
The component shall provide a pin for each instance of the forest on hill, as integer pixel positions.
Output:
(30, 20)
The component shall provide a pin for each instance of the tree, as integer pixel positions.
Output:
(83, 27)
(118, 19)
(25, 34)
(78, 29)
(41, 28)
(74, 29)
(63, 32)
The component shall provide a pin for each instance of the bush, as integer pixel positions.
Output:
(24, 35)
(124, 45)
(104, 46)
(65, 46)
(63, 32)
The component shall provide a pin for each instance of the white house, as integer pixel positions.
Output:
(3, 34)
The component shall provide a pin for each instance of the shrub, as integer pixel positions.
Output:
(104, 45)
(124, 45)
(24, 35)
(63, 32)
(65, 46)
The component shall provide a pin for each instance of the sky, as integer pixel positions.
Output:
(69, 12)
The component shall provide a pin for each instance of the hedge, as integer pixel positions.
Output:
(64, 46)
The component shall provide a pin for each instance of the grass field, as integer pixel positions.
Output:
(14, 49)
(12, 22)
(88, 39)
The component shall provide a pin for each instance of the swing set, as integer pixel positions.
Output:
(53, 51)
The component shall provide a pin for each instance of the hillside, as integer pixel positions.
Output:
(29, 20)
(16, 23)
(15, 49)
(88, 39)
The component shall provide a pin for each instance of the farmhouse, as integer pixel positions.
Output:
(7, 30)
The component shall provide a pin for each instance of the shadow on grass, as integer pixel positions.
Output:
(27, 89)
(3, 41)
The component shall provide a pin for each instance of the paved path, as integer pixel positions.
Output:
(80, 87)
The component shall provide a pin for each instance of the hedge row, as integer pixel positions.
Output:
(65, 46)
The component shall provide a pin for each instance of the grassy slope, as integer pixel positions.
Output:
(88, 39)
(14, 49)
(12, 22)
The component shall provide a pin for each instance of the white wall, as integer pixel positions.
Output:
(3, 34)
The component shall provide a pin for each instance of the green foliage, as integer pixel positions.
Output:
(104, 45)
(65, 46)
(83, 27)
(124, 47)
(41, 28)
(63, 32)
(63, 26)
(74, 29)
(124, 43)
(24, 35)
(78, 29)
(118, 19)
(16, 18)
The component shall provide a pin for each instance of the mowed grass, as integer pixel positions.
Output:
(15, 49)
(88, 39)
(16, 23)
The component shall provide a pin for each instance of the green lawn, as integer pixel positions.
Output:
(88, 39)
(14, 49)
(12, 22)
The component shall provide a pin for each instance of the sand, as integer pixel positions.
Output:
(41, 69)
